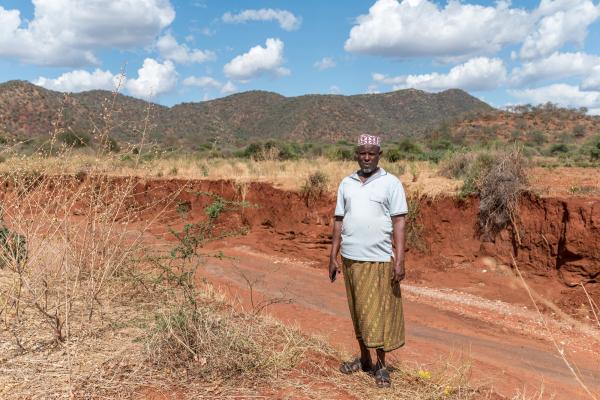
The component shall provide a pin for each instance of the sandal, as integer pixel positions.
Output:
(350, 367)
(382, 378)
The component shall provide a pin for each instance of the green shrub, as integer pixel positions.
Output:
(559, 148)
(111, 145)
(73, 139)
(457, 166)
(480, 166)
(579, 131)
(215, 208)
(13, 248)
(336, 153)
(442, 144)
(393, 155)
(536, 138)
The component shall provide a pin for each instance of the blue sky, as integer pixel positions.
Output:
(174, 51)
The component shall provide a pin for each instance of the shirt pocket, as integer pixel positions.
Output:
(380, 201)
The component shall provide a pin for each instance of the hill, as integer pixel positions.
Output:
(537, 125)
(29, 112)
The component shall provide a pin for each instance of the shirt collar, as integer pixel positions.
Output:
(379, 174)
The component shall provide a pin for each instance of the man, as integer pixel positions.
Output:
(369, 228)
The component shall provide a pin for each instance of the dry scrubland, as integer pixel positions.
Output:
(89, 308)
(423, 177)
(92, 307)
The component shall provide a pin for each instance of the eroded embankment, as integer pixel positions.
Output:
(554, 240)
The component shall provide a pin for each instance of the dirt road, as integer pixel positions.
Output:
(505, 343)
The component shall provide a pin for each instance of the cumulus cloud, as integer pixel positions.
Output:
(422, 28)
(556, 66)
(205, 82)
(258, 61)
(229, 88)
(67, 32)
(561, 94)
(80, 80)
(208, 82)
(287, 21)
(479, 73)
(154, 78)
(169, 49)
(592, 81)
(413, 28)
(559, 22)
(324, 63)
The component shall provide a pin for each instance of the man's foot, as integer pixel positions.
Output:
(356, 365)
(382, 378)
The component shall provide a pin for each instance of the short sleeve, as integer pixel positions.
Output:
(398, 205)
(340, 208)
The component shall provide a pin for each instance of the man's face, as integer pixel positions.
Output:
(368, 157)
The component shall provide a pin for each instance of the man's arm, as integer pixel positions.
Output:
(399, 225)
(336, 239)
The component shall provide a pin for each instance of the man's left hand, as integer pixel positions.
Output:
(398, 273)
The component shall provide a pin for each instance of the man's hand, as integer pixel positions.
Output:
(398, 272)
(334, 269)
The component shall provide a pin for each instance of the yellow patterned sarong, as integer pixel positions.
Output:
(375, 304)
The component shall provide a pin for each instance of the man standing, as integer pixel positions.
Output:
(369, 228)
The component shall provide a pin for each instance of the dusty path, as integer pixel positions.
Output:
(505, 343)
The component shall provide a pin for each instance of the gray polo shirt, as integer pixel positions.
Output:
(367, 209)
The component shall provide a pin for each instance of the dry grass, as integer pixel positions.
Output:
(289, 175)
(448, 381)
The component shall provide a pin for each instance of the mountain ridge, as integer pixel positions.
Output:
(28, 111)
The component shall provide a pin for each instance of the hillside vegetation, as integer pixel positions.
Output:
(29, 112)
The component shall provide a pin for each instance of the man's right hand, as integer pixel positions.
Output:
(334, 269)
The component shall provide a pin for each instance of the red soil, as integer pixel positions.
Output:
(462, 300)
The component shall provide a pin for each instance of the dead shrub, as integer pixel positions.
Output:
(414, 229)
(499, 192)
(210, 340)
(497, 178)
(314, 187)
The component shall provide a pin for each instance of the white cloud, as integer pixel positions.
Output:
(153, 79)
(479, 73)
(207, 82)
(556, 66)
(67, 32)
(592, 81)
(561, 94)
(180, 53)
(258, 61)
(202, 81)
(287, 21)
(229, 88)
(414, 28)
(324, 63)
(333, 89)
(559, 22)
(80, 80)
(373, 89)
